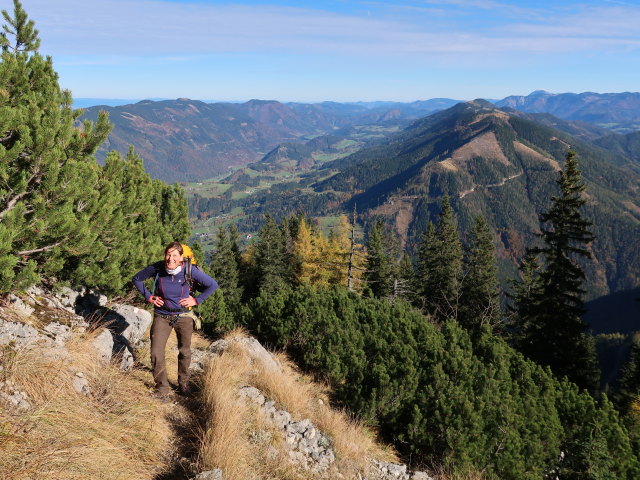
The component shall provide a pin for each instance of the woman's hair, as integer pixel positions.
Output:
(173, 246)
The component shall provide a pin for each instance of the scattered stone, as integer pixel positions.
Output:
(306, 446)
(35, 292)
(198, 359)
(122, 353)
(80, 384)
(18, 399)
(253, 394)
(209, 475)
(68, 298)
(89, 302)
(114, 348)
(393, 471)
(421, 476)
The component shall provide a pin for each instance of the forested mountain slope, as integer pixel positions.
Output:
(503, 166)
(628, 144)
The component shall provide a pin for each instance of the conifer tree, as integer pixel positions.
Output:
(381, 269)
(47, 172)
(427, 255)
(403, 285)
(556, 336)
(629, 379)
(224, 267)
(272, 266)
(136, 217)
(440, 266)
(305, 254)
(480, 302)
(526, 292)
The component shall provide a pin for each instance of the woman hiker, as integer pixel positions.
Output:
(172, 298)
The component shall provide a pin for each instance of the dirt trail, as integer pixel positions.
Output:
(490, 185)
(182, 456)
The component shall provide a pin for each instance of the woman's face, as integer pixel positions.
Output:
(173, 259)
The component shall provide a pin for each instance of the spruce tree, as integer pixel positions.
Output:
(556, 336)
(427, 255)
(381, 268)
(629, 378)
(272, 267)
(403, 285)
(224, 267)
(525, 295)
(440, 266)
(480, 299)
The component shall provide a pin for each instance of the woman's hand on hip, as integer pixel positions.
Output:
(157, 301)
(188, 302)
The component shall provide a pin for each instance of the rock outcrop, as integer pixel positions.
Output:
(48, 320)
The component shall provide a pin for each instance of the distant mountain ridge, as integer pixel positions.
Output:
(617, 111)
(189, 140)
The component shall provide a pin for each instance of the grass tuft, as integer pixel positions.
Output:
(117, 431)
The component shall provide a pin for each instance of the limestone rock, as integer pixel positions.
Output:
(126, 320)
(104, 346)
(306, 445)
(60, 333)
(198, 359)
(18, 305)
(89, 302)
(68, 298)
(421, 476)
(254, 349)
(21, 335)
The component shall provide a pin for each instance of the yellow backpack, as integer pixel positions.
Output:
(188, 254)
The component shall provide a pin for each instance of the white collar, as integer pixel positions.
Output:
(175, 271)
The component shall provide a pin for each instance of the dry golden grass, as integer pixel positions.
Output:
(245, 448)
(117, 432)
(224, 442)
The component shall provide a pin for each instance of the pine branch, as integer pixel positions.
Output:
(38, 250)
(12, 203)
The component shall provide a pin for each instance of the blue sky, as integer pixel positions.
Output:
(338, 50)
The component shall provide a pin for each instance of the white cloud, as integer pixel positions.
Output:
(117, 28)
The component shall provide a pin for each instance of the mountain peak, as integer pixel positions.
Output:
(539, 93)
(481, 102)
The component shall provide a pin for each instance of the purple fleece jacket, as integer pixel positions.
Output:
(173, 288)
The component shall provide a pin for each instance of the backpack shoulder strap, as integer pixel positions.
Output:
(158, 266)
(188, 276)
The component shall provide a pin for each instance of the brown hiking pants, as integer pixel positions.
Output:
(160, 330)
